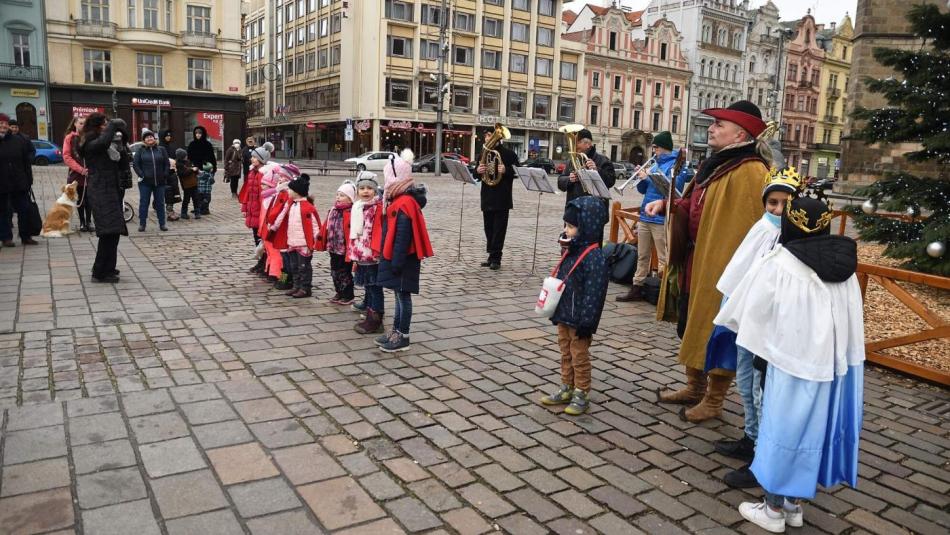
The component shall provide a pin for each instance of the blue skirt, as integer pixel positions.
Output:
(808, 433)
(721, 349)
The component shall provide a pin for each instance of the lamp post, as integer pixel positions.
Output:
(443, 47)
(779, 74)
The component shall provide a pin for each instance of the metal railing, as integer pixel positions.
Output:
(96, 28)
(834, 92)
(201, 39)
(831, 118)
(20, 73)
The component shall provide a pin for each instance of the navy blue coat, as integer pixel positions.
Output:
(151, 165)
(402, 272)
(582, 302)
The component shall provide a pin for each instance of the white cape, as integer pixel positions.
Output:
(761, 238)
(783, 312)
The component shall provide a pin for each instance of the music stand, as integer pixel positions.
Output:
(460, 172)
(662, 183)
(593, 184)
(535, 179)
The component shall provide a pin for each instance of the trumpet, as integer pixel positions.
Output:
(646, 165)
(578, 159)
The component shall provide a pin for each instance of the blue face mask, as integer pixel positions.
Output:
(774, 219)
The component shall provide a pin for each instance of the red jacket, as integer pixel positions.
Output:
(77, 173)
(250, 198)
(308, 213)
(420, 246)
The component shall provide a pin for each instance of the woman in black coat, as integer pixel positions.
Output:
(200, 152)
(104, 191)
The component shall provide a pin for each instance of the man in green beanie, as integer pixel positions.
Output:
(651, 232)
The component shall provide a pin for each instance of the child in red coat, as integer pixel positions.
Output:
(250, 197)
(337, 237)
(295, 231)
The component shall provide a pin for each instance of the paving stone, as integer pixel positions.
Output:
(246, 462)
(149, 402)
(261, 410)
(291, 522)
(103, 456)
(262, 497)
(222, 434)
(498, 477)
(485, 500)
(611, 524)
(33, 416)
(653, 523)
(34, 444)
(206, 412)
(381, 486)
(307, 463)
(213, 523)
(121, 519)
(621, 503)
(413, 514)
(96, 428)
(576, 503)
(340, 502)
(874, 524)
(35, 476)
(535, 505)
(170, 457)
(434, 495)
(156, 427)
(569, 526)
(521, 524)
(387, 525)
(187, 494)
(467, 521)
(38, 512)
(110, 487)
(406, 469)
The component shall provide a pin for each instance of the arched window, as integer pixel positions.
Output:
(702, 68)
(719, 71)
(752, 65)
(736, 40)
(722, 37)
(735, 73)
(707, 33)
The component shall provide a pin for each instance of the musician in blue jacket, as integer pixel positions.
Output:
(651, 231)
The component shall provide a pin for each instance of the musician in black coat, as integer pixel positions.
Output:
(569, 182)
(496, 203)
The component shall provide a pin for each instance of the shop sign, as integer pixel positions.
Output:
(518, 122)
(136, 101)
(311, 124)
(20, 92)
(86, 111)
(233, 88)
(363, 125)
(399, 125)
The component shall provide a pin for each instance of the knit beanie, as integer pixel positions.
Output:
(289, 170)
(236, 142)
(262, 153)
(398, 168)
(664, 140)
(348, 188)
(146, 133)
(301, 185)
(181, 154)
(365, 178)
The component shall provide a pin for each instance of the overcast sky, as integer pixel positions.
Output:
(824, 12)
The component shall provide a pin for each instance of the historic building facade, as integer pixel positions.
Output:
(156, 64)
(504, 60)
(23, 91)
(832, 99)
(802, 84)
(633, 88)
(765, 61)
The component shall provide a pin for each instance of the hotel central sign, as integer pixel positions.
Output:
(533, 124)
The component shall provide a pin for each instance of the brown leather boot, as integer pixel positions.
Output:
(372, 324)
(635, 294)
(711, 405)
(691, 394)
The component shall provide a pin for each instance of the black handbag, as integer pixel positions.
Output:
(651, 290)
(621, 262)
(34, 223)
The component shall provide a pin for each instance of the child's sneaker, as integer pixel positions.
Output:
(397, 342)
(344, 301)
(383, 338)
(760, 514)
(794, 515)
(562, 396)
(579, 403)
(359, 307)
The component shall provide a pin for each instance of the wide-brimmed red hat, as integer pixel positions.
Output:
(743, 113)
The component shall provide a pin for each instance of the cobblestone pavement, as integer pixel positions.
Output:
(192, 398)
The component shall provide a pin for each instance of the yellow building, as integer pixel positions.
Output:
(158, 64)
(374, 63)
(837, 42)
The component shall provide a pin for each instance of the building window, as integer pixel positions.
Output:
(516, 104)
(491, 59)
(523, 5)
(98, 66)
(658, 89)
(311, 61)
(397, 93)
(752, 65)
(21, 49)
(464, 21)
(398, 10)
(618, 83)
(299, 64)
(565, 109)
(595, 82)
(495, 2)
(400, 47)
(519, 63)
(737, 41)
(613, 40)
(312, 32)
(546, 7)
(676, 92)
(290, 39)
(323, 58)
(130, 14)
(431, 15)
(150, 70)
(199, 19)
(462, 99)
(656, 121)
(702, 68)
(428, 96)
(289, 12)
(336, 23)
(428, 50)
(615, 117)
(544, 67)
(792, 71)
(638, 86)
(663, 51)
(719, 71)
(545, 36)
(707, 34)
(97, 10)
(675, 124)
(760, 96)
(199, 74)
(594, 109)
(519, 32)
(489, 100)
(492, 27)
(464, 56)
(542, 107)
(722, 37)
(636, 118)
(735, 73)
(568, 71)
(323, 27)
(168, 15)
(335, 55)
(301, 35)
(150, 14)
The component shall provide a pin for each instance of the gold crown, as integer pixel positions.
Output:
(788, 176)
(800, 219)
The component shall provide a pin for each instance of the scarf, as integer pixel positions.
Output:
(398, 188)
(336, 238)
(357, 217)
(739, 151)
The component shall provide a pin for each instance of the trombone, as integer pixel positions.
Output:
(646, 165)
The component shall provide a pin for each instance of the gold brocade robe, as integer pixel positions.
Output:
(733, 203)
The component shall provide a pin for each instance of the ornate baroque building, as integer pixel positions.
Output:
(802, 83)
(832, 99)
(764, 61)
(633, 87)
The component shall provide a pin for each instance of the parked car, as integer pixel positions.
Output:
(460, 157)
(559, 166)
(540, 163)
(630, 168)
(371, 161)
(46, 152)
(620, 171)
(426, 164)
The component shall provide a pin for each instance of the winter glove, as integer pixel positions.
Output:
(226, 180)
(584, 333)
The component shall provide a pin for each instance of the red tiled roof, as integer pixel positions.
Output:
(599, 11)
(569, 16)
(634, 16)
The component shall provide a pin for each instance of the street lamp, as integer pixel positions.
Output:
(783, 33)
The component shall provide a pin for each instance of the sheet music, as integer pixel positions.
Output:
(459, 171)
(593, 183)
(662, 184)
(534, 179)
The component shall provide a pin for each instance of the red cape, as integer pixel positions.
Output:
(420, 246)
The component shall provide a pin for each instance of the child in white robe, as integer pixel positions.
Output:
(800, 309)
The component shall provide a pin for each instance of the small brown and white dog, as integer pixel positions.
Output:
(56, 224)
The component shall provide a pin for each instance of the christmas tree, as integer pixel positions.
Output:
(917, 111)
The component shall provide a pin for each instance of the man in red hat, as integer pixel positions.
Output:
(721, 204)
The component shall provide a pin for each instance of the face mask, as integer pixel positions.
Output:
(774, 219)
